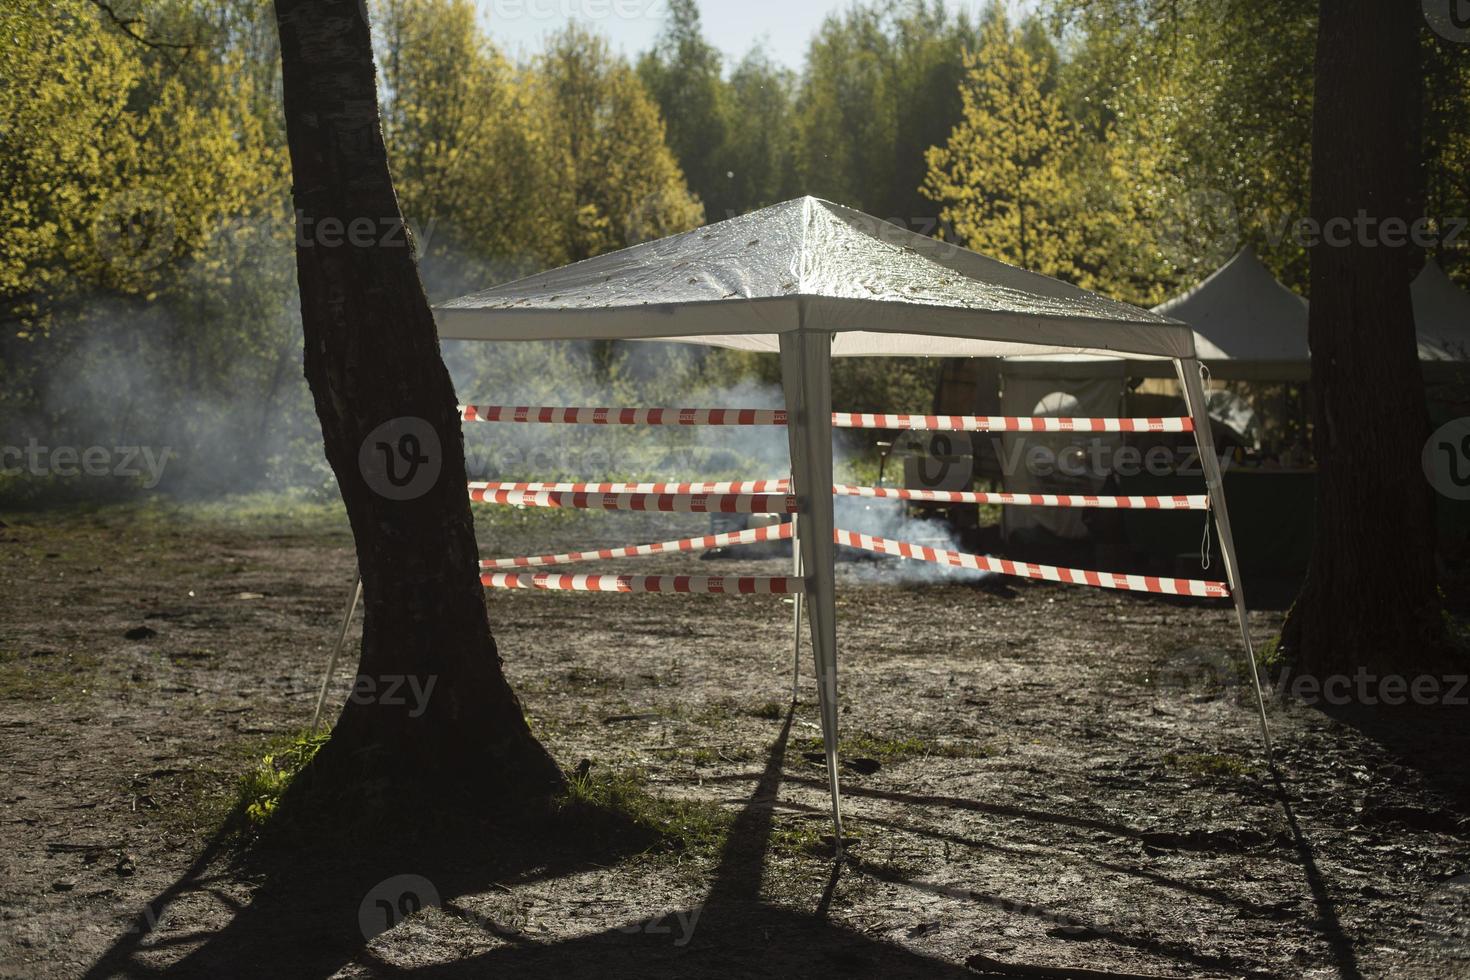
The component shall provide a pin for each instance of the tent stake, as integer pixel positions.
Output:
(321, 698)
(1194, 397)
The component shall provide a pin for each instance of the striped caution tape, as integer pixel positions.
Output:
(707, 584)
(624, 416)
(1176, 502)
(1049, 573)
(775, 532)
(697, 503)
(728, 486)
(842, 420)
(1007, 423)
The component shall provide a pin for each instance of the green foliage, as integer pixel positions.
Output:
(881, 86)
(262, 788)
(601, 803)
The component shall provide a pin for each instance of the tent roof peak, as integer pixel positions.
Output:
(810, 264)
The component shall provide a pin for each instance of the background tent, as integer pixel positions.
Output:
(1247, 326)
(1441, 315)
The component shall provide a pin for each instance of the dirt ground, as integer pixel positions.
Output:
(1040, 777)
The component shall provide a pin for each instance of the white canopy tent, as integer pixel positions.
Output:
(811, 280)
(1441, 314)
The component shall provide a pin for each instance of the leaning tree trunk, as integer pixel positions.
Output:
(392, 436)
(1370, 597)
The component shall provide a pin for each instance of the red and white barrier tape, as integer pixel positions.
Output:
(775, 532)
(698, 503)
(1049, 573)
(842, 420)
(1176, 502)
(1007, 423)
(709, 584)
(625, 416)
(729, 486)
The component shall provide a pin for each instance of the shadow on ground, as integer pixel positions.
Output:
(304, 920)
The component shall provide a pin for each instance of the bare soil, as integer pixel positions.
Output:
(1039, 778)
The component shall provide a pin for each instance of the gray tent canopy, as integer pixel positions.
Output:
(811, 280)
(1441, 314)
(1247, 325)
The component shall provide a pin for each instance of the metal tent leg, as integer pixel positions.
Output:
(1194, 397)
(806, 363)
(321, 698)
(796, 627)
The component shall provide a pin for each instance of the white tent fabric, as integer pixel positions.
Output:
(813, 280)
(1441, 314)
(1247, 326)
(807, 264)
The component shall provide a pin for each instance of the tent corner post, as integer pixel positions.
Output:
(321, 697)
(797, 602)
(806, 379)
(1194, 398)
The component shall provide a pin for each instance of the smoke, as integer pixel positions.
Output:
(663, 375)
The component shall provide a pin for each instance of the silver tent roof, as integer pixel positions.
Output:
(810, 265)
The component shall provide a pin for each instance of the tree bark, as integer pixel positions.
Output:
(392, 436)
(1370, 598)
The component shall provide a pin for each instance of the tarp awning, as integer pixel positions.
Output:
(809, 265)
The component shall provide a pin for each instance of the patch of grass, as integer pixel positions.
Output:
(770, 710)
(606, 803)
(261, 788)
(870, 746)
(45, 674)
(1209, 764)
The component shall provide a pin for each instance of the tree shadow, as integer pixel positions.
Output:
(312, 914)
(314, 909)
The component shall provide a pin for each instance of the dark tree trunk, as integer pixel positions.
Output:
(392, 436)
(1370, 597)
